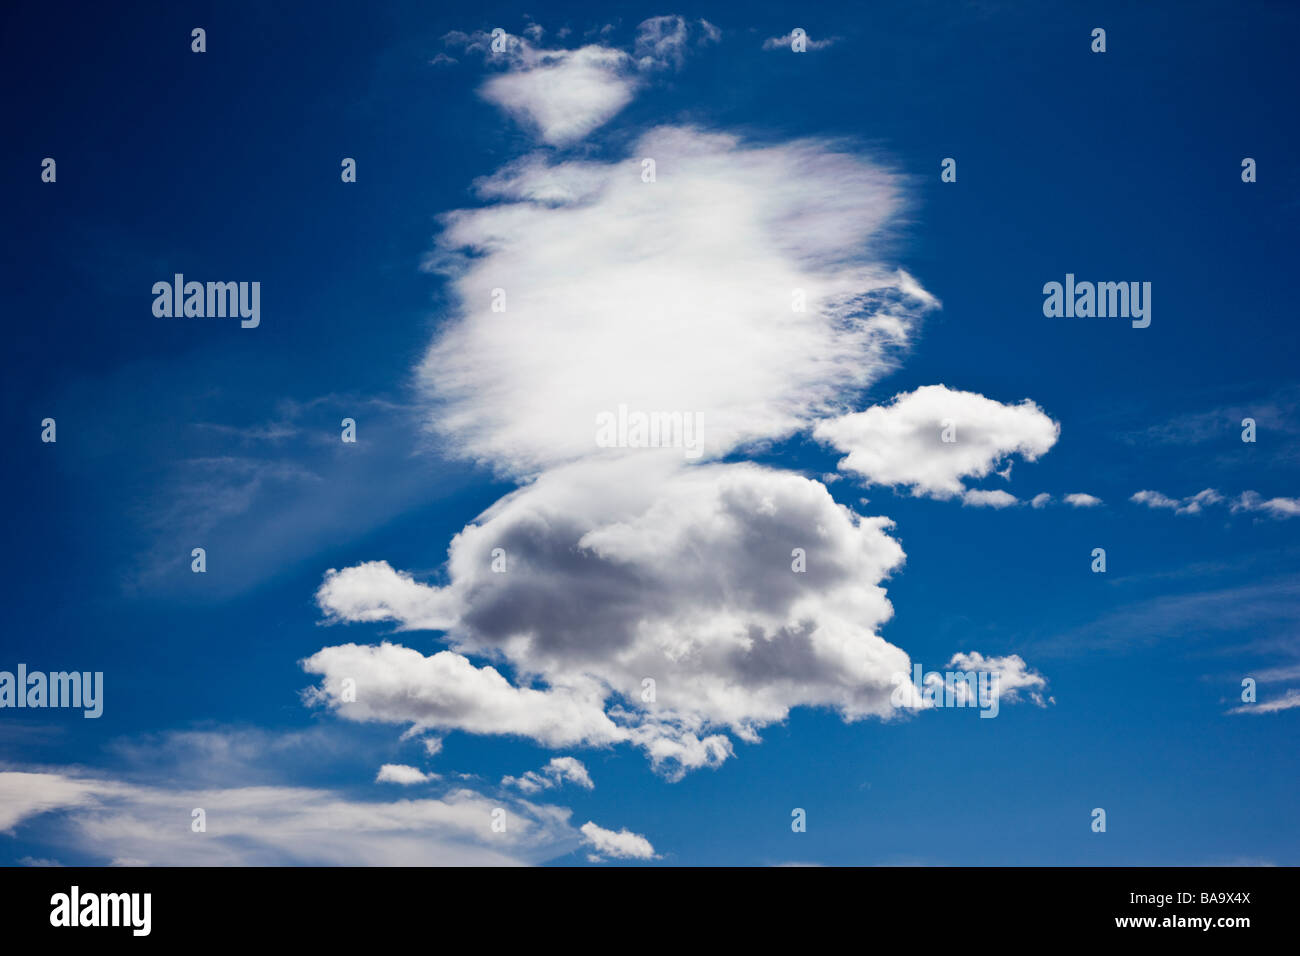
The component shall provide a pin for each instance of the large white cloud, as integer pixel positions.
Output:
(677, 295)
(905, 443)
(626, 595)
(625, 571)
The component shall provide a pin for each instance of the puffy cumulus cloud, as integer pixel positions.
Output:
(622, 845)
(626, 570)
(673, 296)
(374, 592)
(903, 444)
(1014, 675)
(1193, 504)
(395, 684)
(1082, 500)
(1041, 500)
(400, 773)
(558, 771)
(114, 821)
(980, 498)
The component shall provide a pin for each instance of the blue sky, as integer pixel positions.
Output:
(181, 433)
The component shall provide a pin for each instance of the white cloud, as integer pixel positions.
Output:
(980, 498)
(400, 773)
(902, 443)
(1248, 501)
(662, 42)
(1196, 502)
(555, 773)
(1154, 499)
(623, 844)
(1041, 500)
(1014, 675)
(1081, 500)
(564, 94)
(1275, 507)
(736, 592)
(630, 570)
(25, 794)
(1285, 672)
(690, 311)
(1287, 702)
(1193, 504)
(115, 821)
(396, 684)
(784, 42)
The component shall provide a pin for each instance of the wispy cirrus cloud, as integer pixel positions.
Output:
(1288, 701)
(111, 821)
(1246, 502)
(1251, 501)
(1191, 505)
(253, 817)
(785, 42)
